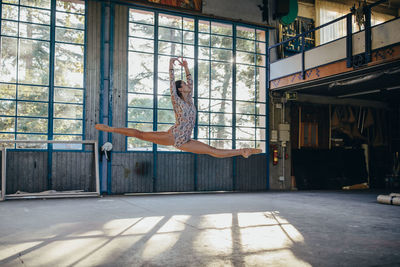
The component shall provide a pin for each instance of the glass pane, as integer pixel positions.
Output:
(221, 77)
(245, 120)
(245, 133)
(70, 36)
(221, 132)
(261, 84)
(8, 59)
(221, 28)
(68, 126)
(140, 72)
(36, 3)
(204, 53)
(7, 137)
(68, 111)
(260, 35)
(171, 49)
(204, 39)
(244, 32)
(188, 51)
(204, 104)
(7, 108)
(140, 30)
(221, 119)
(141, 16)
(32, 109)
(69, 65)
(164, 127)
(163, 75)
(34, 15)
(172, 35)
(33, 62)
(7, 91)
(9, 28)
(164, 102)
(31, 137)
(74, 6)
(11, 1)
(33, 93)
(204, 118)
(260, 109)
(167, 116)
(70, 20)
(188, 24)
(67, 138)
(223, 144)
(170, 21)
(143, 45)
(204, 78)
(188, 37)
(260, 133)
(245, 107)
(221, 41)
(221, 54)
(31, 125)
(34, 31)
(7, 125)
(204, 26)
(245, 83)
(245, 144)
(136, 100)
(261, 48)
(140, 115)
(245, 45)
(203, 132)
(261, 121)
(245, 58)
(137, 144)
(9, 12)
(261, 145)
(68, 95)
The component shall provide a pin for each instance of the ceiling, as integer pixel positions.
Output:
(378, 83)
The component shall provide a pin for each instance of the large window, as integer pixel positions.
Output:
(156, 37)
(41, 76)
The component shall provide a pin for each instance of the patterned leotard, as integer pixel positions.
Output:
(185, 112)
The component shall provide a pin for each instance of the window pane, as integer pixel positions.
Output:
(261, 48)
(245, 120)
(9, 28)
(164, 102)
(221, 54)
(245, 133)
(137, 144)
(142, 45)
(260, 109)
(188, 24)
(31, 137)
(32, 109)
(244, 32)
(204, 53)
(204, 104)
(203, 132)
(74, 6)
(141, 16)
(140, 72)
(9, 12)
(69, 65)
(188, 37)
(221, 119)
(223, 144)
(136, 100)
(70, 20)
(260, 134)
(204, 78)
(261, 145)
(7, 91)
(140, 30)
(245, 45)
(70, 36)
(162, 127)
(204, 26)
(7, 125)
(34, 15)
(37, 3)
(221, 28)
(245, 83)
(221, 41)
(167, 116)
(188, 51)
(245, 58)
(7, 108)
(34, 31)
(68, 95)
(167, 34)
(172, 49)
(245, 107)
(245, 144)
(170, 21)
(261, 121)
(68, 126)
(204, 39)
(7, 137)
(68, 111)
(140, 115)
(8, 59)
(204, 118)
(31, 125)
(67, 138)
(33, 62)
(221, 77)
(221, 132)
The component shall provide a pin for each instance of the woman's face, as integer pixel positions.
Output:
(184, 88)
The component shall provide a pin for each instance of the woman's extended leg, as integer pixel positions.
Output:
(160, 138)
(198, 147)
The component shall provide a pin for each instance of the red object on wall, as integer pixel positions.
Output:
(274, 155)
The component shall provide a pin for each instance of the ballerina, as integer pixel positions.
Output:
(185, 116)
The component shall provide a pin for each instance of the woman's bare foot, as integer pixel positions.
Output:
(103, 127)
(247, 152)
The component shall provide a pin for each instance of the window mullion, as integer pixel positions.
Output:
(52, 67)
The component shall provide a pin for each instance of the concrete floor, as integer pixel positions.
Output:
(232, 229)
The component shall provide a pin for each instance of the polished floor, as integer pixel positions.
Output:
(222, 229)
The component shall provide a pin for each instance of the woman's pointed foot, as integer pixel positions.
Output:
(247, 152)
(103, 127)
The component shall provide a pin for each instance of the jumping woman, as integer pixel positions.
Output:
(185, 116)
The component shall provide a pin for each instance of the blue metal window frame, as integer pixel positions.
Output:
(196, 44)
(50, 114)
